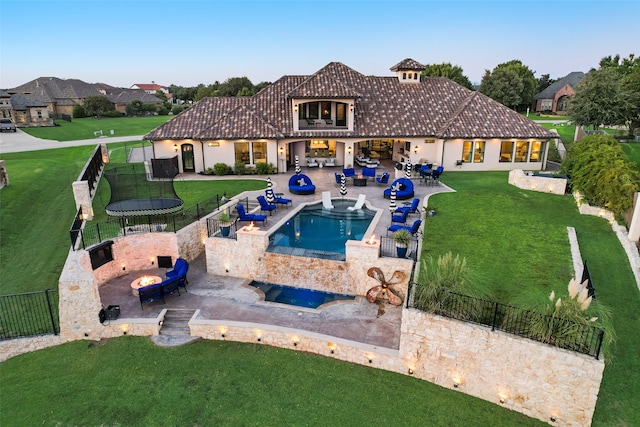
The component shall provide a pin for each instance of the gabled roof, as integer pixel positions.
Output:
(325, 83)
(148, 86)
(384, 107)
(22, 102)
(4, 94)
(571, 79)
(69, 91)
(408, 64)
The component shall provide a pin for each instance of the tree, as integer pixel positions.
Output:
(232, 86)
(628, 69)
(261, 86)
(98, 106)
(603, 98)
(139, 108)
(526, 88)
(78, 112)
(452, 72)
(503, 85)
(544, 82)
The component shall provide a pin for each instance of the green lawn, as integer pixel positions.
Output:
(85, 128)
(533, 116)
(632, 149)
(129, 381)
(514, 240)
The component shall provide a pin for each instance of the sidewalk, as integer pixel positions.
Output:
(20, 141)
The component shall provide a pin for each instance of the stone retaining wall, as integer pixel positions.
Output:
(537, 183)
(15, 347)
(535, 379)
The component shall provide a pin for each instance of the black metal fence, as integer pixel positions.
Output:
(29, 314)
(389, 249)
(514, 320)
(586, 275)
(91, 171)
(95, 233)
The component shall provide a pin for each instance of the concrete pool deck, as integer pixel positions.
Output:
(227, 298)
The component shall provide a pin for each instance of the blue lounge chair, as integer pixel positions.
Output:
(400, 215)
(278, 200)
(383, 179)
(413, 208)
(266, 206)
(413, 229)
(301, 184)
(244, 216)
(404, 188)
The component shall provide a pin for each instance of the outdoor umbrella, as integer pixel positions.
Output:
(407, 172)
(298, 170)
(343, 185)
(270, 195)
(392, 199)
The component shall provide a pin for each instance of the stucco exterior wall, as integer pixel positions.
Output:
(453, 152)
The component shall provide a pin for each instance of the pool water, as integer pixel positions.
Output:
(318, 232)
(299, 297)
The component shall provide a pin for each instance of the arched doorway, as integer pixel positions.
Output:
(187, 158)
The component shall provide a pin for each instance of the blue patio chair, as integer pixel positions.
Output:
(412, 208)
(369, 173)
(413, 229)
(244, 216)
(349, 172)
(278, 200)
(337, 178)
(400, 215)
(266, 206)
(179, 272)
(383, 179)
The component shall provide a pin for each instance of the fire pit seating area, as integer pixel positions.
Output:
(158, 292)
(404, 189)
(301, 184)
(176, 278)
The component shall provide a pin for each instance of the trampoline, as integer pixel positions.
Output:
(133, 194)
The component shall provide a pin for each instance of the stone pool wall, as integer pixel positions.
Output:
(246, 258)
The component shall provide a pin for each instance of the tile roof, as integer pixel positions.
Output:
(22, 102)
(571, 79)
(408, 64)
(68, 91)
(384, 108)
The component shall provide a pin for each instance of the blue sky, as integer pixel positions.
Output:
(189, 42)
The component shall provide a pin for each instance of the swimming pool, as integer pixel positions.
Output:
(299, 297)
(320, 233)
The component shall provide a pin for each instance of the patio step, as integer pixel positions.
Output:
(175, 329)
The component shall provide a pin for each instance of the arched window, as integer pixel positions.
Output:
(404, 76)
(415, 76)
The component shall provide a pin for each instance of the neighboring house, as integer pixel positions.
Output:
(5, 105)
(555, 98)
(152, 88)
(29, 112)
(339, 113)
(59, 96)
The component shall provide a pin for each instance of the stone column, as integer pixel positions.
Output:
(4, 176)
(82, 196)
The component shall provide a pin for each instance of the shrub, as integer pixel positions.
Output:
(440, 277)
(239, 168)
(78, 112)
(263, 168)
(600, 170)
(209, 171)
(220, 169)
(177, 109)
(563, 319)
